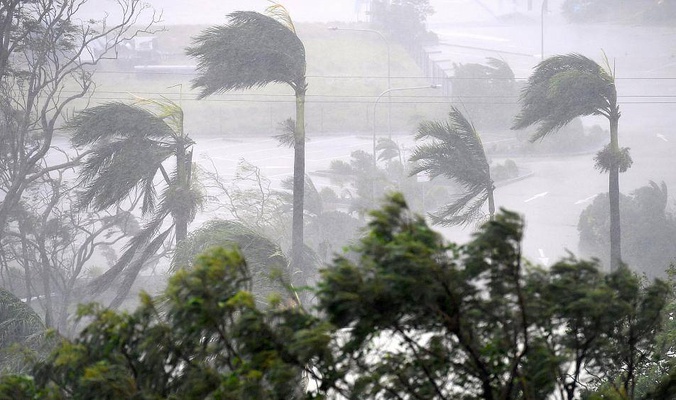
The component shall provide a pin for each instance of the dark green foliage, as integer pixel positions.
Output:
(424, 319)
(649, 230)
(455, 151)
(204, 338)
(409, 317)
(252, 50)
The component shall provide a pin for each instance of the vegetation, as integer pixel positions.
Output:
(129, 146)
(404, 20)
(409, 316)
(49, 54)
(650, 234)
(254, 50)
(455, 151)
(636, 12)
(486, 93)
(45, 63)
(563, 88)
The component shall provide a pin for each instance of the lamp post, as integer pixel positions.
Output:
(375, 106)
(389, 68)
(542, 30)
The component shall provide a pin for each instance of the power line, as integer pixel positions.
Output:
(374, 76)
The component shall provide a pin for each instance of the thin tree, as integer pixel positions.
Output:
(563, 88)
(253, 50)
(129, 146)
(456, 152)
(47, 60)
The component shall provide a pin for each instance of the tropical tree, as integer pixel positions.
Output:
(129, 146)
(267, 266)
(456, 152)
(568, 86)
(19, 326)
(253, 50)
(404, 316)
(649, 245)
(485, 92)
(47, 61)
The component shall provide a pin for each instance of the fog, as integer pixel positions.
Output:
(245, 172)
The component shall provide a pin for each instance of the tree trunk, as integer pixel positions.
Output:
(298, 181)
(491, 200)
(614, 197)
(183, 182)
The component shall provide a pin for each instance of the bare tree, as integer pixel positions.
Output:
(48, 55)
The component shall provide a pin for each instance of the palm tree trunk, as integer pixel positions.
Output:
(298, 180)
(614, 196)
(491, 200)
(183, 182)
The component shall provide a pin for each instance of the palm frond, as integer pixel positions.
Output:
(167, 111)
(279, 13)
(287, 135)
(455, 151)
(266, 261)
(132, 271)
(387, 149)
(115, 120)
(18, 321)
(562, 88)
(463, 210)
(499, 69)
(115, 169)
(252, 50)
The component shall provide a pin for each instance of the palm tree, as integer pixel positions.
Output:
(264, 258)
(568, 86)
(129, 146)
(253, 50)
(456, 152)
(19, 324)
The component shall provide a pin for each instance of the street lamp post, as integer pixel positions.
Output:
(389, 68)
(375, 105)
(542, 30)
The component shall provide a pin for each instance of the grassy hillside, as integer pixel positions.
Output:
(346, 72)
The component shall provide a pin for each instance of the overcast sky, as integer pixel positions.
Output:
(205, 11)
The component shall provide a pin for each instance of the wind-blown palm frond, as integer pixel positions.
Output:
(128, 151)
(499, 69)
(455, 152)
(251, 51)
(387, 149)
(18, 321)
(465, 209)
(313, 200)
(279, 12)
(563, 88)
(115, 119)
(168, 111)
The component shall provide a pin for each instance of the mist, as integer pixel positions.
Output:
(373, 82)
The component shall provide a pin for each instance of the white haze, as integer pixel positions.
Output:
(643, 57)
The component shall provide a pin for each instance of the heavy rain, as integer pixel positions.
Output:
(410, 199)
